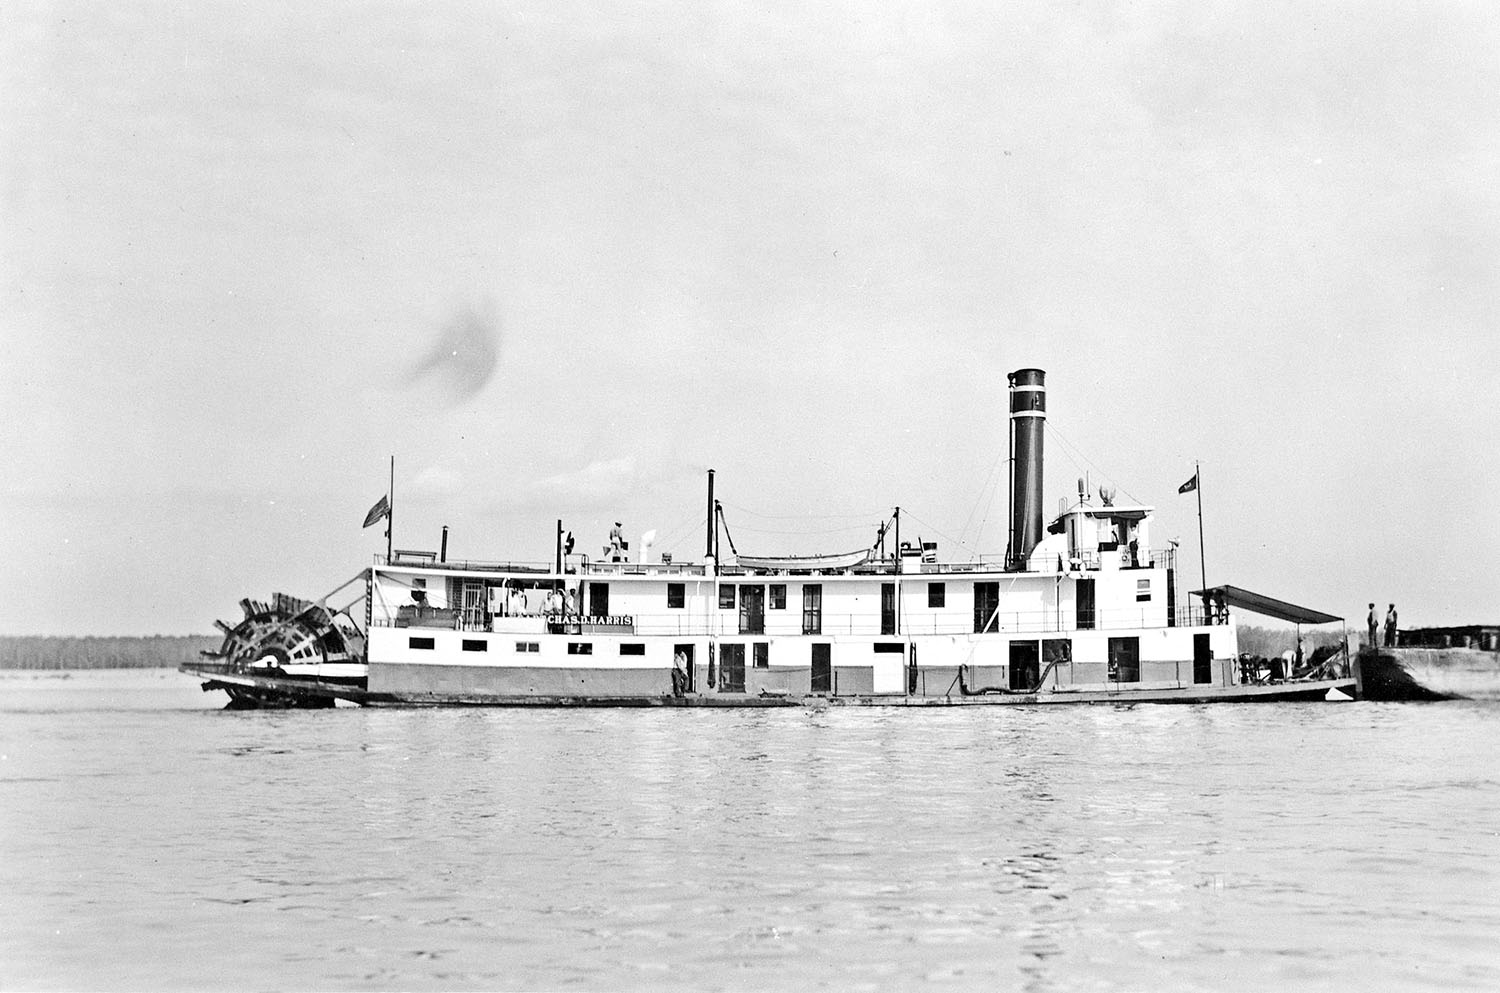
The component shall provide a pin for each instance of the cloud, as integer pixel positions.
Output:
(437, 482)
(600, 482)
(462, 357)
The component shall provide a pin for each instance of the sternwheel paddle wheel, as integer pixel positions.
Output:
(286, 653)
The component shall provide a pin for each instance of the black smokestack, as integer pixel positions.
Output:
(1028, 413)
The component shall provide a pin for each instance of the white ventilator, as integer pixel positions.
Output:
(647, 540)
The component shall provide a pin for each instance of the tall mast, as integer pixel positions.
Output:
(390, 514)
(1202, 566)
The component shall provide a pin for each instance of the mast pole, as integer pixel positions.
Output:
(898, 572)
(390, 513)
(1202, 566)
(711, 539)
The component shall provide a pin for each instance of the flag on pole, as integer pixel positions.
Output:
(381, 509)
(1190, 485)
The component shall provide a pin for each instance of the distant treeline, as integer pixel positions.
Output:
(1270, 642)
(153, 652)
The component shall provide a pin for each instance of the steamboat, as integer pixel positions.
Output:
(1081, 609)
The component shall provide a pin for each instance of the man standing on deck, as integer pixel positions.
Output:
(1374, 640)
(1390, 627)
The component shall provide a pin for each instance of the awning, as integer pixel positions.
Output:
(1256, 603)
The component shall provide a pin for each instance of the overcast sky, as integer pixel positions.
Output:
(561, 258)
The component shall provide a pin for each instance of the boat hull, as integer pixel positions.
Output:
(312, 693)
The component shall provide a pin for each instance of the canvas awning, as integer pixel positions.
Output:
(1258, 603)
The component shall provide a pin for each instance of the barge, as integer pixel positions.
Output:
(1081, 610)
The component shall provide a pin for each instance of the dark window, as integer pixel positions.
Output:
(887, 608)
(580, 648)
(732, 668)
(778, 596)
(426, 643)
(525, 647)
(476, 645)
(812, 609)
(1125, 660)
(632, 648)
(937, 595)
(726, 597)
(822, 668)
(1059, 650)
(1142, 591)
(986, 603)
(889, 648)
(676, 596)
(762, 654)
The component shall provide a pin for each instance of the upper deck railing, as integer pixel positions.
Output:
(1160, 558)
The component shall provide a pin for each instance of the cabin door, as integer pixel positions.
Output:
(1203, 659)
(986, 604)
(598, 599)
(732, 668)
(473, 605)
(682, 658)
(752, 610)
(822, 668)
(887, 608)
(1086, 604)
(1025, 665)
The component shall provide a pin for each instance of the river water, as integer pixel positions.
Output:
(148, 841)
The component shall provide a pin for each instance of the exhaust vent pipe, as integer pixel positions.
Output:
(1028, 413)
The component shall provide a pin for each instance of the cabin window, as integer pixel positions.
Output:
(1142, 590)
(726, 597)
(889, 648)
(1125, 660)
(425, 644)
(812, 608)
(937, 595)
(476, 645)
(887, 608)
(632, 648)
(778, 596)
(419, 582)
(986, 606)
(761, 651)
(527, 647)
(598, 599)
(580, 648)
(676, 596)
(1058, 650)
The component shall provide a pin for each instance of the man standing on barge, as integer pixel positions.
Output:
(1391, 633)
(1374, 622)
